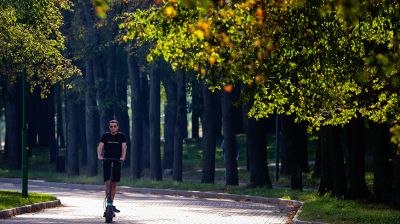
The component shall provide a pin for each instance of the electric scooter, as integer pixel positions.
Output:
(108, 212)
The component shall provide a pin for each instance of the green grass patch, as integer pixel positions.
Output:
(334, 210)
(12, 199)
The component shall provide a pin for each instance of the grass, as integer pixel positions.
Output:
(316, 208)
(12, 199)
(333, 210)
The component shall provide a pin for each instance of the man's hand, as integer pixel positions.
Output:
(122, 159)
(100, 157)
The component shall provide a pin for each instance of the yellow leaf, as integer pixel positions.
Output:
(170, 11)
(199, 34)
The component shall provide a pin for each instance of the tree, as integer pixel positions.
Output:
(180, 126)
(137, 117)
(30, 43)
(72, 135)
(383, 167)
(256, 144)
(323, 62)
(13, 124)
(209, 140)
(356, 160)
(229, 137)
(226, 37)
(59, 113)
(333, 177)
(154, 122)
(121, 109)
(196, 106)
(170, 85)
(295, 138)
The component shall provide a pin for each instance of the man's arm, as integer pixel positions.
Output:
(100, 151)
(123, 151)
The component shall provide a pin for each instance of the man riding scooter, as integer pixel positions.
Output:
(113, 144)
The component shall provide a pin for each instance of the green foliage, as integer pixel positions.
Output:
(322, 61)
(31, 42)
(12, 199)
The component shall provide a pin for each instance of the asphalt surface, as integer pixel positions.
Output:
(85, 205)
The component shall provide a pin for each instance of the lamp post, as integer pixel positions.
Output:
(277, 147)
(24, 138)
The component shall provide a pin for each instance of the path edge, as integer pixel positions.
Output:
(7, 213)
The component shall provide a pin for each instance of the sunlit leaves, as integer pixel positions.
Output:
(170, 11)
(296, 57)
(31, 42)
(101, 7)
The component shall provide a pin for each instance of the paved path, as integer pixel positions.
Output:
(86, 206)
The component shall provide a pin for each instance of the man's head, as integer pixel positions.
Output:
(113, 125)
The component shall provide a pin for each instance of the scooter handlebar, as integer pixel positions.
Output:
(112, 160)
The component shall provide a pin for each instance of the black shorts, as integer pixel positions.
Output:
(116, 175)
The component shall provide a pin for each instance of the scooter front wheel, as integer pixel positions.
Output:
(109, 214)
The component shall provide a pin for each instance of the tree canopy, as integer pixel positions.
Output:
(31, 42)
(320, 60)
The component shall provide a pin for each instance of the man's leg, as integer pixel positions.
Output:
(114, 190)
(107, 183)
(115, 180)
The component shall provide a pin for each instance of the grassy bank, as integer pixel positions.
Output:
(12, 199)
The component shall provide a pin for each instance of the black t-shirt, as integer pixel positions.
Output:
(113, 144)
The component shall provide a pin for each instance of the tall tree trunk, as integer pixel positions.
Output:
(325, 184)
(137, 118)
(52, 129)
(245, 127)
(302, 137)
(293, 139)
(396, 177)
(32, 117)
(317, 164)
(3, 97)
(256, 137)
(209, 135)
(91, 118)
(108, 111)
(169, 119)
(185, 125)
(196, 107)
(383, 167)
(237, 113)
(230, 145)
(145, 104)
(103, 77)
(44, 121)
(337, 162)
(121, 109)
(72, 136)
(81, 139)
(356, 161)
(13, 125)
(285, 165)
(93, 68)
(155, 152)
(333, 178)
(179, 126)
(60, 120)
(218, 113)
